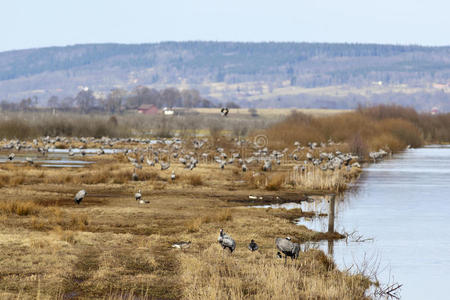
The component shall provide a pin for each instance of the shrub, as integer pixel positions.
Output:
(275, 182)
(358, 146)
(195, 180)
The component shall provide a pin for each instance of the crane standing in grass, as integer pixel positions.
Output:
(287, 247)
(138, 195)
(80, 196)
(226, 241)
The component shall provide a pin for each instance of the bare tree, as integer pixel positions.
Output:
(85, 100)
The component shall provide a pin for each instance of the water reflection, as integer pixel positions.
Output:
(398, 214)
(56, 160)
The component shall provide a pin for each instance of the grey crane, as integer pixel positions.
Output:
(287, 247)
(138, 195)
(164, 166)
(151, 163)
(134, 176)
(253, 246)
(11, 156)
(80, 196)
(267, 166)
(226, 241)
(173, 176)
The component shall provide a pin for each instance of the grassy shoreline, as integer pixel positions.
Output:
(112, 247)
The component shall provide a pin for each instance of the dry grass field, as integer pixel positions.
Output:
(111, 247)
(273, 112)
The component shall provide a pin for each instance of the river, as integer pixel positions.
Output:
(402, 203)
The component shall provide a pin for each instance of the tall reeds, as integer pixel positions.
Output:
(366, 129)
(313, 178)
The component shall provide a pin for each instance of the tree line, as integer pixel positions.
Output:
(116, 101)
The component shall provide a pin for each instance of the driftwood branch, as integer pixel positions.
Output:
(355, 237)
(390, 291)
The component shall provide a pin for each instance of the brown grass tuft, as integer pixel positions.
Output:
(20, 208)
(64, 235)
(195, 180)
(79, 222)
(194, 224)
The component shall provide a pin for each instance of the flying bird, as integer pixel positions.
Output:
(224, 111)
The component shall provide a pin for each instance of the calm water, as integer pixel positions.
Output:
(404, 205)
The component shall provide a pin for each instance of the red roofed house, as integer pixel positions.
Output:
(148, 109)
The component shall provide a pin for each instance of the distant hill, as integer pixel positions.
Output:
(251, 74)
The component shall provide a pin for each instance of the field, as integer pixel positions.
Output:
(112, 247)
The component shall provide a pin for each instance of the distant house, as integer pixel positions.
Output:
(435, 110)
(148, 109)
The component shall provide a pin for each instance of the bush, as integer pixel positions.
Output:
(195, 180)
(275, 182)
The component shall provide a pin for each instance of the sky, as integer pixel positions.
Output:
(41, 23)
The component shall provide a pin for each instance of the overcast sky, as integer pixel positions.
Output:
(39, 23)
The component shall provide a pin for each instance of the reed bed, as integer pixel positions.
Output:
(313, 178)
(213, 276)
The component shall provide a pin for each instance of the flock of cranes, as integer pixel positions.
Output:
(190, 153)
(162, 152)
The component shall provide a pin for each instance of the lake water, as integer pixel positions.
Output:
(403, 204)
